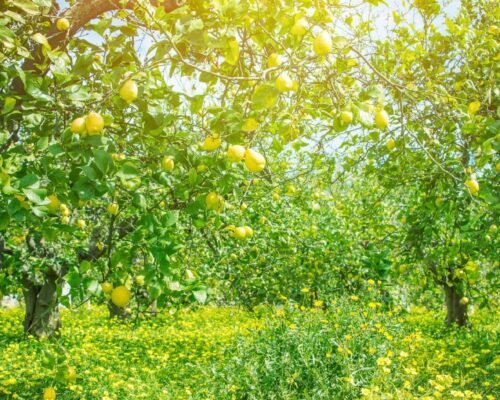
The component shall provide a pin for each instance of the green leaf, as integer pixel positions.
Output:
(103, 160)
(200, 296)
(265, 97)
(9, 104)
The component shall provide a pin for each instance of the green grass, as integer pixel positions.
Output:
(349, 351)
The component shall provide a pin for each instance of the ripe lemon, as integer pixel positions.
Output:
(284, 83)
(390, 144)
(300, 27)
(62, 24)
(235, 153)
(381, 119)
(54, 204)
(214, 201)
(274, 60)
(129, 91)
(346, 117)
(94, 123)
(71, 374)
(322, 44)
(473, 186)
(254, 161)
(106, 287)
(464, 301)
(240, 233)
(113, 209)
(78, 125)
(212, 143)
(248, 231)
(167, 163)
(120, 296)
(49, 394)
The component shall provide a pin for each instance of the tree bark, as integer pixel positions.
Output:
(456, 312)
(42, 317)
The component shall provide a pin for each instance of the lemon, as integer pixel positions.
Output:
(54, 204)
(473, 186)
(120, 296)
(214, 201)
(49, 394)
(106, 287)
(239, 233)
(62, 24)
(322, 44)
(300, 27)
(346, 117)
(250, 125)
(235, 153)
(464, 301)
(274, 60)
(71, 374)
(381, 119)
(262, 220)
(212, 143)
(284, 83)
(254, 161)
(139, 279)
(78, 125)
(94, 123)
(248, 231)
(167, 163)
(129, 91)
(113, 209)
(390, 144)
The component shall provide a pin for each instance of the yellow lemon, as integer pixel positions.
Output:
(250, 125)
(284, 83)
(473, 186)
(254, 161)
(62, 24)
(49, 394)
(464, 301)
(474, 107)
(106, 287)
(71, 374)
(214, 201)
(381, 119)
(120, 296)
(167, 163)
(390, 144)
(54, 204)
(139, 279)
(274, 60)
(239, 233)
(322, 44)
(235, 153)
(129, 91)
(78, 125)
(248, 231)
(94, 123)
(346, 117)
(300, 27)
(212, 143)
(113, 209)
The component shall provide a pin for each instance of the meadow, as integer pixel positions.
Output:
(349, 349)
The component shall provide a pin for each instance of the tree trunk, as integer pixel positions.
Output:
(117, 312)
(456, 312)
(42, 317)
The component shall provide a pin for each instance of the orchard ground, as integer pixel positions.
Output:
(347, 349)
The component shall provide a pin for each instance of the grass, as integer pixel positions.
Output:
(350, 351)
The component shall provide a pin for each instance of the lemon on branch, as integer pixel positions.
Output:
(322, 44)
(235, 153)
(254, 161)
(381, 119)
(94, 123)
(212, 143)
(284, 83)
(78, 125)
(62, 24)
(120, 296)
(106, 287)
(129, 91)
(274, 60)
(167, 163)
(473, 186)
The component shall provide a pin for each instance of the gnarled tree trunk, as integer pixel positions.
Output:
(42, 317)
(456, 313)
